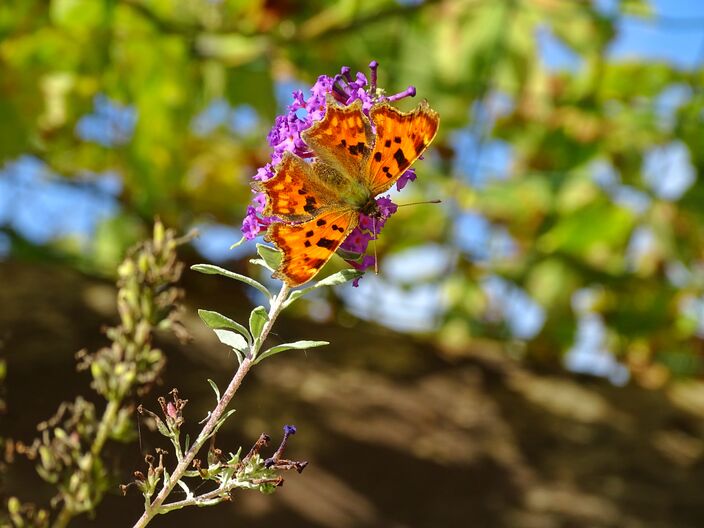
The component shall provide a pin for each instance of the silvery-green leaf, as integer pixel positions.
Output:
(231, 339)
(185, 488)
(215, 389)
(297, 345)
(262, 263)
(210, 269)
(222, 421)
(238, 243)
(350, 255)
(218, 321)
(161, 427)
(270, 255)
(333, 280)
(257, 320)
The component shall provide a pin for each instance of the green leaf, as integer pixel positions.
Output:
(216, 320)
(262, 263)
(221, 421)
(270, 255)
(77, 14)
(238, 243)
(333, 280)
(338, 278)
(185, 488)
(215, 389)
(161, 427)
(297, 345)
(257, 320)
(232, 339)
(210, 269)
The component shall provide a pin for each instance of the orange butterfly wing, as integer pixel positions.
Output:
(309, 245)
(342, 139)
(293, 193)
(401, 137)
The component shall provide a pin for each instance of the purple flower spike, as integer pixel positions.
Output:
(289, 430)
(408, 92)
(339, 89)
(373, 65)
(345, 70)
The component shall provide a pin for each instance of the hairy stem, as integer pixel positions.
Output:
(157, 506)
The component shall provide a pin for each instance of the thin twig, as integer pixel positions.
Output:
(157, 506)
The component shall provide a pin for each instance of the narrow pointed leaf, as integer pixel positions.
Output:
(297, 345)
(222, 421)
(238, 243)
(231, 339)
(185, 488)
(210, 269)
(333, 280)
(270, 255)
(262, 263)
(257, 320)
(216, 320)
(215, 389)
(161, 427)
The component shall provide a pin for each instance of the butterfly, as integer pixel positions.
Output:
(317, 205)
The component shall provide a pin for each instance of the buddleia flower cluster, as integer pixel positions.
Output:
(286, 136)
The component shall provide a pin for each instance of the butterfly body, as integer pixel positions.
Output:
(357, 158)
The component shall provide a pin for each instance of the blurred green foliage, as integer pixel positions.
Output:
(170, 59)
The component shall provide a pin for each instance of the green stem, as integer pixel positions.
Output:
(106, 423)
(64, 517)
(157, 506)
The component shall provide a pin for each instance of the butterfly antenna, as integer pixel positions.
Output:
(421, 203)
(376, 261)
(139, 431)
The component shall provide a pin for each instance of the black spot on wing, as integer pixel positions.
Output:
(309, 207)
(387, 143)
(325, 243)
(400, 159)
(357, 149)
(377, 156)
(320, 222)
(307, 243)
(309, 233)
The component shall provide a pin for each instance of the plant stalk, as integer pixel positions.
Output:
(156, 505)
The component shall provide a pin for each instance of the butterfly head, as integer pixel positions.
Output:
(371, 209)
